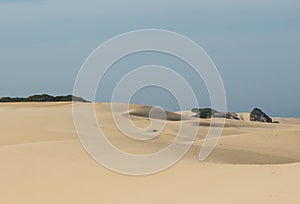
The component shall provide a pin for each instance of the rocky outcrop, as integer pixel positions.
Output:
(260, 116)
(211, 113)
(231, 115)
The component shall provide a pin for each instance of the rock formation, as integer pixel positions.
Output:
(260, 116)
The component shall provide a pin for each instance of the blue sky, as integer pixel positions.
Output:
(255, 45)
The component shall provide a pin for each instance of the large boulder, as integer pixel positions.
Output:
(260, 116)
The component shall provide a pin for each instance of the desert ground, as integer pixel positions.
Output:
(42, 160)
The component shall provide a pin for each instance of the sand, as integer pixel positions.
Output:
(42, 160)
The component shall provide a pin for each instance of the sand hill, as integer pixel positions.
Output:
(42, 160)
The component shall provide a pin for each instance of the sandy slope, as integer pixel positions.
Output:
(42, 160)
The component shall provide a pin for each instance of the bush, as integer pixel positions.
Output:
(43, 98)
(204, 112)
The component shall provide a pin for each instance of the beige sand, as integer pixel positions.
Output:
(42, 161)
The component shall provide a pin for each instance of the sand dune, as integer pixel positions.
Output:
(42, 160)
(244, 116)
(156, 113)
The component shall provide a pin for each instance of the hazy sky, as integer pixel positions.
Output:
(255, 45)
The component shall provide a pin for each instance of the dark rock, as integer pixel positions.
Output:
(260, 116)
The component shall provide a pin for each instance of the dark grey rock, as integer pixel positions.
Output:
(260, 116)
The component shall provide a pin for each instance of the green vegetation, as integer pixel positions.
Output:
(43, 98)
(204, 112)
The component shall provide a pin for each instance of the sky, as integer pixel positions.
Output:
(254, 44)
